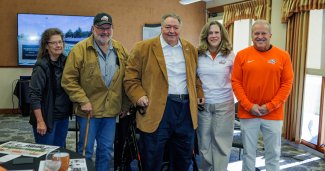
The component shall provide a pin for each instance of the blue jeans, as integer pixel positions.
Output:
(103, 131)
(176, 130)
(57, 135)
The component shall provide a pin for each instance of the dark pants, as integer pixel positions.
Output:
(122, 152)
(176, 129)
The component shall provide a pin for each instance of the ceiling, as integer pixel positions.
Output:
(186, 2)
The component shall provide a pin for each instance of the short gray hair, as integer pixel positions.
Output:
(172, 15)
(262, 22)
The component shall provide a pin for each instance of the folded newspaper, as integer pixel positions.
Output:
(26, 149)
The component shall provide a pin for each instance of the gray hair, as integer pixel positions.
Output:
(262, 22)
(172, 15)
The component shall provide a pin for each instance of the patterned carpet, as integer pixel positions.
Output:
(293, 157)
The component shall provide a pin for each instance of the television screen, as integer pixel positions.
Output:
(31, 27)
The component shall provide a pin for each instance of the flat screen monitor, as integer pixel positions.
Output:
(31, 27)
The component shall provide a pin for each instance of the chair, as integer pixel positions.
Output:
(237, 141)
(74, 127)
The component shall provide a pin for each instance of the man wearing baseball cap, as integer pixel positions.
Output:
(92, 77)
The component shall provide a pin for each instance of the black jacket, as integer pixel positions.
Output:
(42, 91)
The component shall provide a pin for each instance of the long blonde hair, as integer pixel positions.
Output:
(225, 46)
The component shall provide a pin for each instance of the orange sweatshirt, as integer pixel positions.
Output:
(262, 78)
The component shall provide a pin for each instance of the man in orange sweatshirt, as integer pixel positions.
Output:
(262, 78)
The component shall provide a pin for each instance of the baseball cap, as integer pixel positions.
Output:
(102, 18)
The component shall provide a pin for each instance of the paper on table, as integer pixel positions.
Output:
(8, 157)
(75, 164)
(26, 149)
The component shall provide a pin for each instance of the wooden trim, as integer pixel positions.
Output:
(308, 144)
(218, 9)
(10, 111)
(313, 146)
(321, 129)
(16, 66)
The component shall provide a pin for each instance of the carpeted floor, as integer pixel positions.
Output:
(293, 157)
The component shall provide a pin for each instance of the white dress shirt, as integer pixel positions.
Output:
(176, 69)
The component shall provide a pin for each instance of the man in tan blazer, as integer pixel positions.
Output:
(161, 77)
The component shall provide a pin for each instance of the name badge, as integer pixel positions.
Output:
(223, 61)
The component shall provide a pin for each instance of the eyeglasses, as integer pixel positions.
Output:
(103, 28)
(55, 43)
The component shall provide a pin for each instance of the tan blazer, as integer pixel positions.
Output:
(146, 75)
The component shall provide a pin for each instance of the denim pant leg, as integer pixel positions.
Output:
(182, 139)
(151, 148)
(61, 131)
(175, 128)
(105, 140)
(47, 139)
(152, 145)
(82, 122)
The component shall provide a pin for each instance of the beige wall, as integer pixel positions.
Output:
(278, 29)
(8, 77)
(129, 16)
(216, 3)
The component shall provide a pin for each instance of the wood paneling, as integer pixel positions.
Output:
(128, 17)
(10, 111)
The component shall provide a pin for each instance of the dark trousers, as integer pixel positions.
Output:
(176, 129)
(122, 161)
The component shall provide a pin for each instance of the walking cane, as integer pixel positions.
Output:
(86, 135)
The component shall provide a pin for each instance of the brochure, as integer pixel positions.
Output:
(26, 149)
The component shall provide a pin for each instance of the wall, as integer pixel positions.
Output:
(128, 17)
(216, 3)
(8, 77)
(278, 29)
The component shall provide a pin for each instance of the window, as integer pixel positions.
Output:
(310, 119)
(312, 130)
(242, 34)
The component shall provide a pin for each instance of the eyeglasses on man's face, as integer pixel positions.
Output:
(103, 28)
(55, 43)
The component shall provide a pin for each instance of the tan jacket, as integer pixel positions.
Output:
(146, 75)
(83, 82)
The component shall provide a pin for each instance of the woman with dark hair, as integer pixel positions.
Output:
(50, 104)
(216, 118)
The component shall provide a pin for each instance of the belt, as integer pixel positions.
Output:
(179, 96)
